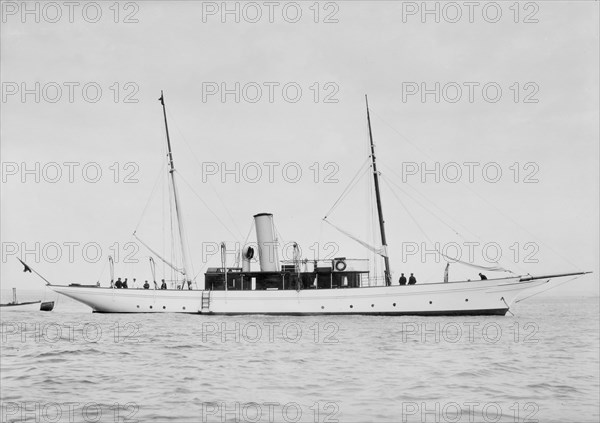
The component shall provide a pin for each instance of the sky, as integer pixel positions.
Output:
(485, 122)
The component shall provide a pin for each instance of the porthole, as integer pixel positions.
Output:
(394, 304)
(430, 302)
(183, 307)
(138, 306)
(150, 306)
(164, 307)
(351, 306)
(322, 307)
(466, 300)
(372, 305)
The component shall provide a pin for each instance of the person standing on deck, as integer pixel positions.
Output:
(402, 280)
(483, 277)
(412, 280)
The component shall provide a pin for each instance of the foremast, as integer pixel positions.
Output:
(180, 228)
(388, 275)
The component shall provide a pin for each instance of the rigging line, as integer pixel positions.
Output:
(163, 229)
(422, 230)
(184, 245)
(549, 288)
(158, 178)
(102, 271)
(249, 233)
(206, 205)
(484, 199)
(431, 202)
(208, 180)
(353, 182)
(359, 174)
(200, 271)
(279, 238)
(390, 181)
(320, 244)
(173, 231)
(408, 212)
(398, 132)
(372, 226)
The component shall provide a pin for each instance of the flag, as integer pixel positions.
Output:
(26, 268)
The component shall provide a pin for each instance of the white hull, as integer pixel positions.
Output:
(454, 298)
(32, 306)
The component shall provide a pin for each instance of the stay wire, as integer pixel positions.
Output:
(176, 126)
(482, 198)
(359, 175)
(209, 209)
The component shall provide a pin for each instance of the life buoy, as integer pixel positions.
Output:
(249, 253)
(340, 265)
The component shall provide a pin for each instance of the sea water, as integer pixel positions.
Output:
(540, 364)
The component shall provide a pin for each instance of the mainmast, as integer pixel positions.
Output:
(176, 197)
(388, 275)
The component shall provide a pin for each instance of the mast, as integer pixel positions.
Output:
(175, 196)
(388, 275)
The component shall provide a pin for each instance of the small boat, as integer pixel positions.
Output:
(14, 305)
(47, 306)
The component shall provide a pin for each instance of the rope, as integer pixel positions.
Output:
(249, 233)
(408, 212)
(507, 306)
(361, 171)
(492, 205)
(439, 218)
(206, 205)
(176, 126)
(102, 271)
(552, 287)
(151, 196)
(390, 181)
